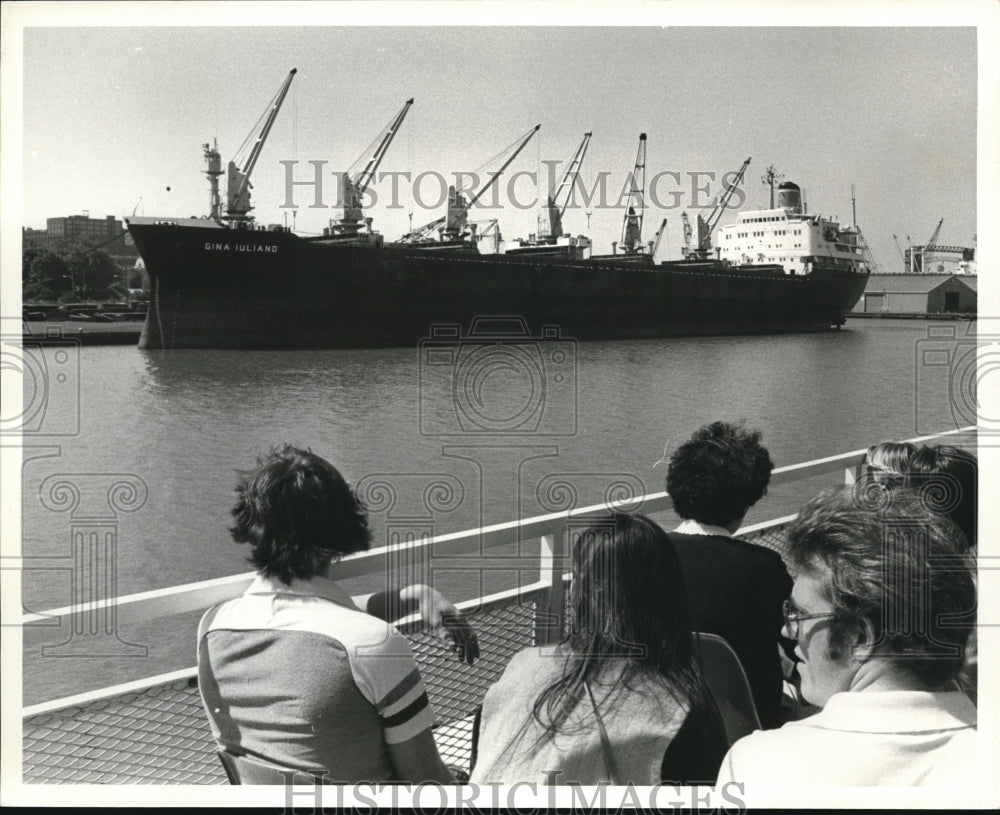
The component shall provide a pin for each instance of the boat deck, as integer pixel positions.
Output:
(155, 732)
(160, 735)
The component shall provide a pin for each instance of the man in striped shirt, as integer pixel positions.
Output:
(293, 673)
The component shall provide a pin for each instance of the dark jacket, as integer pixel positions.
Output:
(736, 589)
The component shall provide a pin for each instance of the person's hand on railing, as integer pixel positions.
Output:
(444, 620)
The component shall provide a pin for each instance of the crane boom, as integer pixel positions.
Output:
(934, 237)
(899, 248)
(571, 173)
(703, 241)
(353, 190)
(632, 225)
(364, 178)
(550, 220)
(659, 237)
(238, 186)
(720, 207)
(506, 164)
(455, 220)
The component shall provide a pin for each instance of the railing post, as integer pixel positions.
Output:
(550, 607)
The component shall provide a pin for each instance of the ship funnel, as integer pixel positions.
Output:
(789, 196)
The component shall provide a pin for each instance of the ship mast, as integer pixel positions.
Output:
(769, 178)
(214, 160)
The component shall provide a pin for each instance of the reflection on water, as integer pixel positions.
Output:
(460, 445)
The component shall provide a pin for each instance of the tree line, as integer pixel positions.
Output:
(73, 274)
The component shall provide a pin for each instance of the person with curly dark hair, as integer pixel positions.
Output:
(881, 610)
(293, 674)
(736, 588)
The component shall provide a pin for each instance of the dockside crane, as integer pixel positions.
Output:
(550, 219)
(454, 224)
(706, 225)
(934, 235)
(352, 190)
(631, 242)
(238, 185)
(929, 249)
(899, 249)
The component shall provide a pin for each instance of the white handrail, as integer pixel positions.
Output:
(157, 603)
(551, 528)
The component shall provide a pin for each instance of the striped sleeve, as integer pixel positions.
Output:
(389, 678)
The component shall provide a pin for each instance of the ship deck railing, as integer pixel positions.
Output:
(154, 730)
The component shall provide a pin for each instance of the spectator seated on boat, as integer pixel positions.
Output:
(886, 463)
(293, 673)
(880, 614)
(620, 699)
(944, 475)
(946, 478)
(736, 588)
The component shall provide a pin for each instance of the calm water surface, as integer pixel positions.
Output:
(177, 425)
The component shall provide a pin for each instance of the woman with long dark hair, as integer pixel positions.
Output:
(620, 699)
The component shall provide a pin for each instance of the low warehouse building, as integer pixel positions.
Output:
(919, 294)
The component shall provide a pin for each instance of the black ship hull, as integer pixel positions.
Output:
(217, 287)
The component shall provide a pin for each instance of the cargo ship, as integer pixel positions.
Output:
(224, 281)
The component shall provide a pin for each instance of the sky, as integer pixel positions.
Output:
(114, 116)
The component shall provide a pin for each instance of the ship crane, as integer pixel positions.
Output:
(550, 221)
(707, 225)
(916, 258)
(930, 247)
(353, 190)
(453, 225)
(631, 242)
(934, 236)
(687, 234)
(659, 237)
(238, 186)
(899, 249)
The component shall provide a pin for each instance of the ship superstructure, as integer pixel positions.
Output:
(790, 236)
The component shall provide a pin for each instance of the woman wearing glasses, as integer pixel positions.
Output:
(620, 700)
(881, 609)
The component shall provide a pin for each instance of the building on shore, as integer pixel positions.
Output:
(919, 294)
(107, 234)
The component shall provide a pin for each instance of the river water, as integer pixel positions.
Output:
(473, 434)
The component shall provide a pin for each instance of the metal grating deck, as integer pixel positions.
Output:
(160, 736)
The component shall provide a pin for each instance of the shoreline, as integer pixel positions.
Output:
(127, 332)
(83, 331)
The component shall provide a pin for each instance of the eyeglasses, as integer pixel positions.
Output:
(792, 618)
